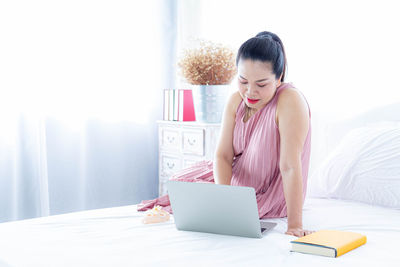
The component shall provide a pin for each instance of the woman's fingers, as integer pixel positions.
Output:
(299, 233)
(307, 232)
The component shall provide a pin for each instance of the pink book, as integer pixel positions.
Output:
(186, 106)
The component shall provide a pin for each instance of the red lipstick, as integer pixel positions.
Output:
(252, 101)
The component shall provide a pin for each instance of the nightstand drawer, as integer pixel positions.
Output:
(170, 139)
(170, 164)
(193, 142)
(182, 144)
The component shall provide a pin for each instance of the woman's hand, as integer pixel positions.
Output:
(298, 232)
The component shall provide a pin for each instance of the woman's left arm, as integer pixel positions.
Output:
(293, 123)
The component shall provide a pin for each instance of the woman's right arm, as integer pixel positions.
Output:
(223, 157)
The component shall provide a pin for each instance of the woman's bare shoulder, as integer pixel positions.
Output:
(292, 99)
(291, 95)
(234, 101)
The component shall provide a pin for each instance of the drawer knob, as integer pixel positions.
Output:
(171, 166)
(192, 142)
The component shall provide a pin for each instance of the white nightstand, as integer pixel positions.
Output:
(181, 144)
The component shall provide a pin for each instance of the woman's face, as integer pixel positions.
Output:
(257, 83)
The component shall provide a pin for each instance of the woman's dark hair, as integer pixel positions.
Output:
(265, 47)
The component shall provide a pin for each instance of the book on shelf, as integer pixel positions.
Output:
(178, 105)
(166, 105)
(330, 243)
(186, 106)
(171, 105)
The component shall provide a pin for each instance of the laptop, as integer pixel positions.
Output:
(217, 209)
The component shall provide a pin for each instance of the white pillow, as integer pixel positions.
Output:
(364, 167)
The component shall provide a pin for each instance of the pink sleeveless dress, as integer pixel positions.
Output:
(256, 145)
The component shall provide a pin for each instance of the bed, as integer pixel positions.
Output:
(356, 188)
(116, 237)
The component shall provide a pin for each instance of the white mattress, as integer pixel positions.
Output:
(116, 237)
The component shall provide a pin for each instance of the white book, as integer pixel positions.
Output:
(176, 104)
(166, 104)
(171, 105)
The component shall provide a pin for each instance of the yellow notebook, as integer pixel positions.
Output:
(331, 243)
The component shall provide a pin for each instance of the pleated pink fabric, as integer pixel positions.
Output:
(256, 145)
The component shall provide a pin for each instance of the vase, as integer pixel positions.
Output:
(209, 102)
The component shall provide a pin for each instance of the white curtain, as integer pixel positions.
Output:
(80, 92)
(341, 54)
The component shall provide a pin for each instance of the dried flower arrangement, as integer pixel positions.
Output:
(208, 64)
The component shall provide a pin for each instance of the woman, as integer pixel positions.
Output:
(265, 136)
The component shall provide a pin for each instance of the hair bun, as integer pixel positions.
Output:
(265, 35)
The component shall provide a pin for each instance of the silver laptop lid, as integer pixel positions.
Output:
(214, 208)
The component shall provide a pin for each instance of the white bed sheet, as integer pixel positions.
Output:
(116, 237)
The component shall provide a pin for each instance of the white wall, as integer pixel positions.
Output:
(342, 55)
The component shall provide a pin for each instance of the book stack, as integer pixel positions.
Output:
(329, 243)
(178, 105)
